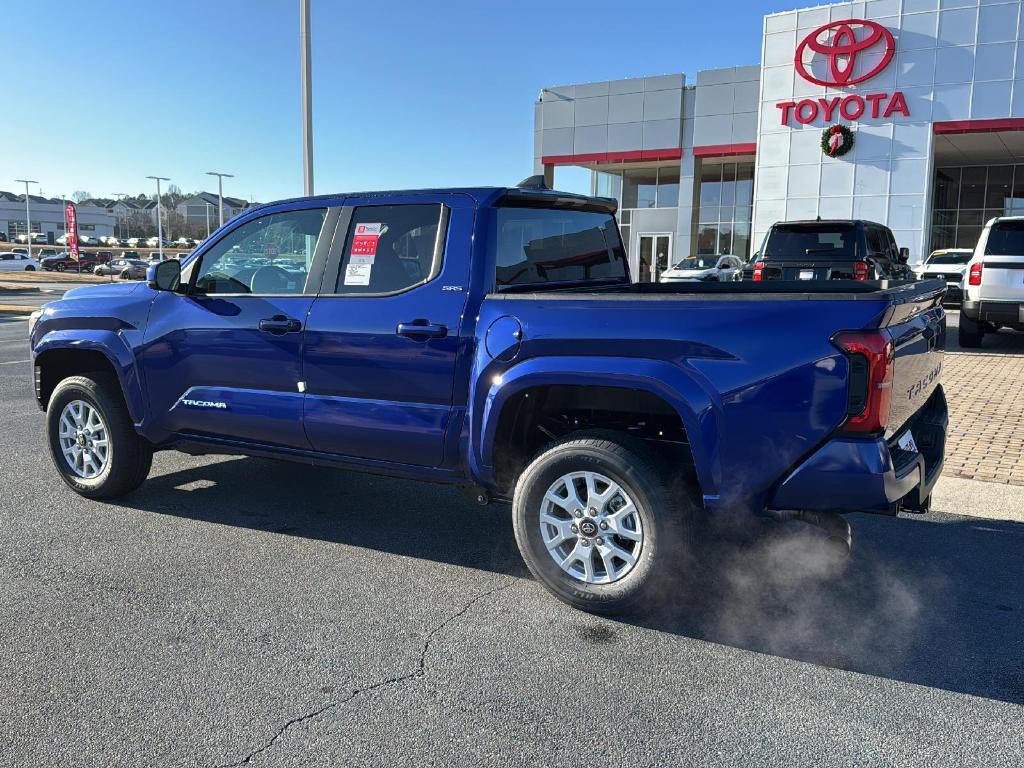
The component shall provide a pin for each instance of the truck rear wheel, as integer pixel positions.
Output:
(93, 443)
(969, 332)
(597, 524)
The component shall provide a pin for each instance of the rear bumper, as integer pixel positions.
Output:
(994, 311)
(864, 475)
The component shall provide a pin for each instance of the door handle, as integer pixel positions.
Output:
(422, 330)
(279, 325)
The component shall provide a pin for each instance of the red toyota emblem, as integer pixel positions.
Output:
(841, 42)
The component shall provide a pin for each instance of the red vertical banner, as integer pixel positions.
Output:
(71, 229)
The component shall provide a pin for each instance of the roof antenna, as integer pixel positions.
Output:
(533, 182)
(819, 217)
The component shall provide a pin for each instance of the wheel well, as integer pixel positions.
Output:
(536, 417)
(55, 365)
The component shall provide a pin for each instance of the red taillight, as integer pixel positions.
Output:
(975, 276)
(872, 360)
(759, 270)
(860, 271)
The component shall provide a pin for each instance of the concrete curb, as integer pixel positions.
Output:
(17, 309)
(979, 498)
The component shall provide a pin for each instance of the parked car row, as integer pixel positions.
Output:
(986, 281)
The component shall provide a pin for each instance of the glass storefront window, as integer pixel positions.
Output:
(947, 188)
(710, 185)
(999, 186)
(965, 198)
(607, 184)
(972, 187)
(726, 203)
(640, 188)
(668, 187)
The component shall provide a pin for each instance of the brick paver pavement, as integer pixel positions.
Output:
(985, 390)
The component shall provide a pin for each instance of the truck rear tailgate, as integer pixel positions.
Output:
(918, 332)
(818, 269)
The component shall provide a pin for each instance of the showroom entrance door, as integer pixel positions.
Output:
(653, 256)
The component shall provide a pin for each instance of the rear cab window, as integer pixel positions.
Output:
(828, 241)
(537, 246)
(1006, 239)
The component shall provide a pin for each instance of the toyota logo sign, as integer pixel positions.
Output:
(841, 43)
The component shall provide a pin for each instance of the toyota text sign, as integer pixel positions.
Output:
(839, 55)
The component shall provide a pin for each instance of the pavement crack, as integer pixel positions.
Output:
(419, 671)
(279, 734)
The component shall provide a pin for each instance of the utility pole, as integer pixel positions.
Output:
(159, 223)
(306, 80)
(28, 214)
(220, 191)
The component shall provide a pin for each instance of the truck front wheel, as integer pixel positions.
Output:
(92, 440)
(597, 524)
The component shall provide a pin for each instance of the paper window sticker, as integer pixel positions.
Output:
(358, 274)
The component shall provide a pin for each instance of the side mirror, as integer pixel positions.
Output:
(904, 256)
(165, 276)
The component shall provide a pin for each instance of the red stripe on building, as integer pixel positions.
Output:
(725, 150)
(980, 126)
(633, 156)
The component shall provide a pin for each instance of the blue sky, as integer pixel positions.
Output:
(406, 94)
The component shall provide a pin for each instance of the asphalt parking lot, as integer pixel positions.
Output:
(248, 612)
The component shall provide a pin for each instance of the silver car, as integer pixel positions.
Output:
(725, 268)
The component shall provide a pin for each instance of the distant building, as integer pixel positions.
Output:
(47, 217)
(194, 209)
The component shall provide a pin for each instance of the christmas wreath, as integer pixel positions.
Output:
(836, 140)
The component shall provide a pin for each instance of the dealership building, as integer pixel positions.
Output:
(905, 112)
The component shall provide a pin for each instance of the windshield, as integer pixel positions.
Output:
(1006, 239)
(951, 258)
(697, 262)
(555, 245)
(815, 241)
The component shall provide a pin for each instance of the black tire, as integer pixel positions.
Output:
(970, 332)
(129, 456)
(30, 268)
(59, 267)
(667, 520)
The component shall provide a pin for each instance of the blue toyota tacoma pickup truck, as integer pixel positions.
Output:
(492, 338)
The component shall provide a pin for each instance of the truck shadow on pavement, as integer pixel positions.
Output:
(934, 600)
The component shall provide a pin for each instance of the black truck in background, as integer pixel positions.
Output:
(841, 249)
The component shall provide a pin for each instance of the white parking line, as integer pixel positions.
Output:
(16, 362)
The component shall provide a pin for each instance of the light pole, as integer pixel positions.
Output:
(207, 221)
(159, 223)
(220, 191)
(28, 213)
(306, 80)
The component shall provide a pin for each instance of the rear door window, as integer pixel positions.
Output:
(1006, 239)
(392, 248)
(553, 245)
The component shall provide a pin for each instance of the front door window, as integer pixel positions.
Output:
(653, 257)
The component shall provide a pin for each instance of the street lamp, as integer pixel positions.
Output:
(159, 223)
(306, 81)
(28, 214)
(220, 192)
(207, 220)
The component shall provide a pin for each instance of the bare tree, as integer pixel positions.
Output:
(81, 195)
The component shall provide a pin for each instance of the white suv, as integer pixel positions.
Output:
(994, 284)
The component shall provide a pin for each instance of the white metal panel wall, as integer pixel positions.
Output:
(955, 60)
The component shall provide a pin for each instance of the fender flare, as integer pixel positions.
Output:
(113, 347)
(698, 406)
